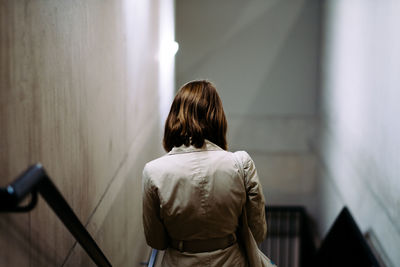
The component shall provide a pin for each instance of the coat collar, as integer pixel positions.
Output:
(208, 146)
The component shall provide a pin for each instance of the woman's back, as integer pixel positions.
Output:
(200, 190)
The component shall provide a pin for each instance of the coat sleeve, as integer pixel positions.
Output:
(154, 230)
(255, 204)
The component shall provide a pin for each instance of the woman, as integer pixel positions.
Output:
(194, 195)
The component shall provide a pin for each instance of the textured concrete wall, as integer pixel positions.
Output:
(263, 57)
(78, 93)
(360, 129)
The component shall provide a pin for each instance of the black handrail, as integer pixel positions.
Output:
(35, 180)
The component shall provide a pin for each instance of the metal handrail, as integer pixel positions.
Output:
(35, 180)
(153, 258)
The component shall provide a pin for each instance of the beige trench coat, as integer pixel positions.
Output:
(193, 193)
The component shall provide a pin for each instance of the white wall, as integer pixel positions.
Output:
(166, 59)
(79, 92)
(263, 58)
(360, 130)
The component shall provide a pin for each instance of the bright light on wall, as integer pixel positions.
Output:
(174, 47)
(168, 49)
(166, 58)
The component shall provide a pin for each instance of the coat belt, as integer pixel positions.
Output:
(203, 245)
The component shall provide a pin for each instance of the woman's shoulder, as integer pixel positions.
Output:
(153, 171)
(245, 160)
(242, 155)
(157, 163)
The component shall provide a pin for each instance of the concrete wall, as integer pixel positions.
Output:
(360, 146)
(263, 57)
(79, 84)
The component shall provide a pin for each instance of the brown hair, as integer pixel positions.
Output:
(196, 114)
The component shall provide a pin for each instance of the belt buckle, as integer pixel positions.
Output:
(180, 245)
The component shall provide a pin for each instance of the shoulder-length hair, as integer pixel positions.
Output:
(196, 114)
